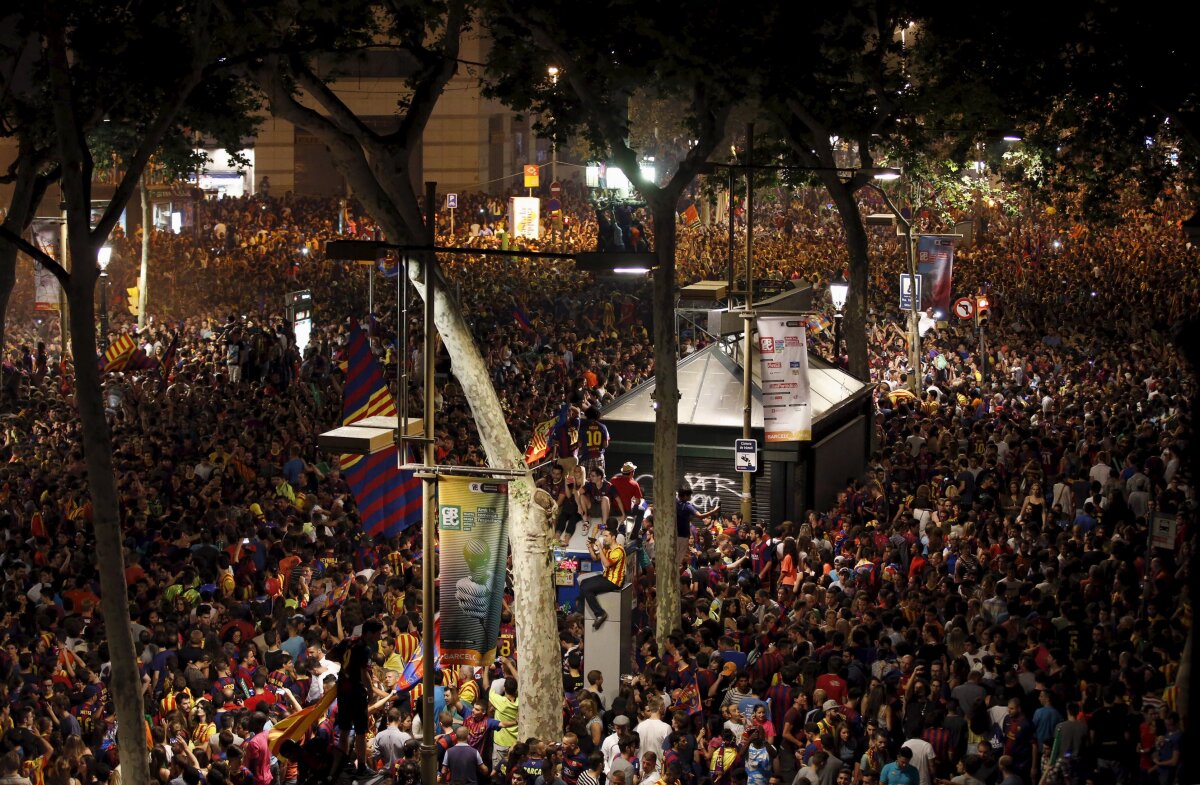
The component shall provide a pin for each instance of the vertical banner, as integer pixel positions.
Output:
(783, 353)
(935, 265)
(524, 215)
(473, 558)
(45, 297)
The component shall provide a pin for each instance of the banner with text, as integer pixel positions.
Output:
(935, 265)
(783, 354)
(46, 289)
(524, 216)
(473, 554)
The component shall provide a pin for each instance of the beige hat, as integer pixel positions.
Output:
(628, 468)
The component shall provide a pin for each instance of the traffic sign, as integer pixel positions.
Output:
(746, 459)
(531, 175)
(964, 308)
(553, 206)
(555, 188)
(451, 201)
(907, 284)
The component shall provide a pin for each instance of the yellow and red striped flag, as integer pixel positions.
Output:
(539, 445)
(118, 354)
(295, 726)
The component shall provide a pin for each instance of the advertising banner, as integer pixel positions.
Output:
(473, 554)
(46, 288)
(524, 216)
(783, 354)
(935, 265)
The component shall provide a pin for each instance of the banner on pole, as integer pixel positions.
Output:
(473, 557)
(935, 265)
(524, 216)
(46, 289)
(783, 354)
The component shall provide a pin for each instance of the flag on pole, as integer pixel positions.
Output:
(691, 217)
(411, 676)
(539, 445)
(522, 319)
(296, 726)
(388, 498)
(117, 357)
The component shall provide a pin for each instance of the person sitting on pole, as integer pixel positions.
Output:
(612, 556)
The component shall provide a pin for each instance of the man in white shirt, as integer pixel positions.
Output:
(652, 732)
(610, 746)
(922, 759)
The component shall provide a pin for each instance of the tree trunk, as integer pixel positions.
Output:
(28, 189)
(529, 533)
(666, 420)
(126, 681)
(854, 327)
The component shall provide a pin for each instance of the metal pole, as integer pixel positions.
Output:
(429, 518)
(983, 363)
(64, 330)
(914, 334)
(147, 221)
(837, 337)
(730, 271)
(371, 289)
(104, 312)
(748, 315)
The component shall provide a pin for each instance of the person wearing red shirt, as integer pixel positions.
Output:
(834, 685)
(257, 755)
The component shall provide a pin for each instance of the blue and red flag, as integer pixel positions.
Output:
(411, 676)
(388, 498)
(522, 320)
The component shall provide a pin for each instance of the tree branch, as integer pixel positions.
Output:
(429, 87)
(42, 258)
(346, 120)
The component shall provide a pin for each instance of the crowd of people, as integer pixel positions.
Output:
(981, 607)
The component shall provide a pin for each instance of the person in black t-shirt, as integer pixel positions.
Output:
(354, 691)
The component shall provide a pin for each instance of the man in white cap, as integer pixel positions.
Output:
(610, 748)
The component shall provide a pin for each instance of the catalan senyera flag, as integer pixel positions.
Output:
(388, 498)
(117, 357)
(539, 445)
(296, 726)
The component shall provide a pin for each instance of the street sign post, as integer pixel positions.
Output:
(746, 455)
(531, 176)
(451, 205)
(964, 308)
(555, 188)
(908, 285)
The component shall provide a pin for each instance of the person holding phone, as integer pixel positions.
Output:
(612, 556)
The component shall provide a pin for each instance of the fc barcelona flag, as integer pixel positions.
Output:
(389, 499)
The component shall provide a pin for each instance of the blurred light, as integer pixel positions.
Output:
(104, 256)
(647, 172)
(888, 174)
(304, 250)
(630, 270)
(1012, 138)
(1057, 244)
(978, 166)
(553, 71)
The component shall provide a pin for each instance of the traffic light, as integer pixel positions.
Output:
(982, 310)
(134, 301)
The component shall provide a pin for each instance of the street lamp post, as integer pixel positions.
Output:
(839, 290)
(553, 72)
(103, 257)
